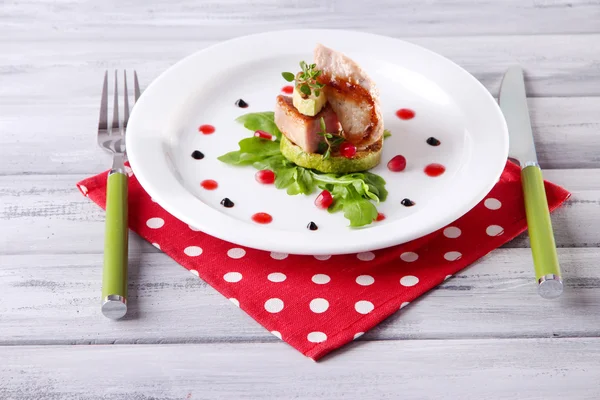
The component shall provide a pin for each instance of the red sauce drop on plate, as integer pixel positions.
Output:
(405, 113)
(209, 184)
(262, 218)
(380, 217)
(206, 129)
(435, 169)
(287, 89)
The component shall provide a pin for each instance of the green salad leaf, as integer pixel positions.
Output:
(386, 133)
(260, 121)
(354, 194)
(252, 149)
(358, 210)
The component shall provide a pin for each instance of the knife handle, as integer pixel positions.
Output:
(114, 274)
(541, 236)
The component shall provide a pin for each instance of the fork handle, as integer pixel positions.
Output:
(114, 275)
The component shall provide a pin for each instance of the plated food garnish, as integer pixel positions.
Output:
(332, 122)
(326, 136)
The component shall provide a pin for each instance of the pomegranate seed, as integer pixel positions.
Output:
(380, 217)
(347, 150)
(324, 200)
(397, 164)
(265, 176)
(263, 135)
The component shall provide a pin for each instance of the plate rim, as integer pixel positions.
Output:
(282, 246)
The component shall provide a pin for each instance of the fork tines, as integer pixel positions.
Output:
(118, 126)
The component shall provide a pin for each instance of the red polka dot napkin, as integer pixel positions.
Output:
(318, 304)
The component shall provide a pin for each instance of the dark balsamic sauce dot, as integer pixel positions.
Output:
(227, 203)
(197, 155)
(407, 203)
(312, 226)
(241, 103)
(433, 141)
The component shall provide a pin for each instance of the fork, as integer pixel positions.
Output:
(112, 139)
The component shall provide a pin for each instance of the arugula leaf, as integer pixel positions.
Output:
(273, 163)
(263, 121)
(366, 183)
(386, 133)
(338, 193)
(359, 211)
(376, 185)
(338, 205)
(259, 146)
(233, 157)
(284, 177)
(305, 180)
(251, 150)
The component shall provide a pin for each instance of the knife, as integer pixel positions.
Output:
(513, 103)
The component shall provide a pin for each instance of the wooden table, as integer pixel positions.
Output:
(485, 334)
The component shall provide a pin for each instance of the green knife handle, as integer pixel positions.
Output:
(114, 275)
(541, 236)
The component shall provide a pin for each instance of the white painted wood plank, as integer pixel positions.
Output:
(70, 71)
(542, 369)
(55, 299)
(60, 138)
(399, 17)
(46, 214)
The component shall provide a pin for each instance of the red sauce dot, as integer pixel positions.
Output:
(405, 113)
(209, 184)
(397, 163)
(380, 217)
(206, 129)
(287, 89)
(434, 169)
(262, 218)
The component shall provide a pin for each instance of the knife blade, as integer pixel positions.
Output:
(513, 103)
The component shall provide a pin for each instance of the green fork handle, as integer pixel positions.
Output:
(114, 275)
(541, 236)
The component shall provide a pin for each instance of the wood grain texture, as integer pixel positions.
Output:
(69, 71)
(54, 299)
(484, 333)
(482, 369)
(46, 214)
(233, 17)
(61, 137)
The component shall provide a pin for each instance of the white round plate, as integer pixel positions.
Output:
(450, 105)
